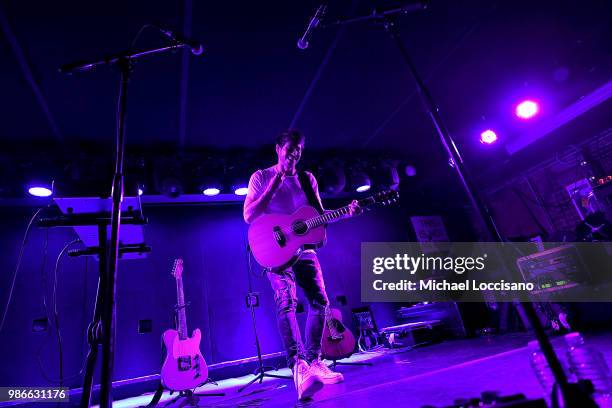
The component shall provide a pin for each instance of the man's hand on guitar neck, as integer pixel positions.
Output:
(354, 208)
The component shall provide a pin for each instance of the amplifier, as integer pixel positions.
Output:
(603, 194)
(554, 269)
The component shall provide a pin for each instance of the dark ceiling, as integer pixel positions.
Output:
(478, 56)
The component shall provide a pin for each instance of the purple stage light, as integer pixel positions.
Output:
(488, 137)
(363, 188)
(410, 170)
(241, 191)
(39, 191)
(527, 109)
(140, 191)
(211, 191)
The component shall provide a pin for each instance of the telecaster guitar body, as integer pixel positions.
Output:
(184, 367)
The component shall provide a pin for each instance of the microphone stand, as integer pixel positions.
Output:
(252, 301)
(574, 394)
(124, 62)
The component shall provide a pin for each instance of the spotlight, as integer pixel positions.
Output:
(211, 191)
(210, 187)
(241, 190)
(526, 109)
(237, 180)
(169, 177)
(361, 182)
(332, 179)
(210, 180)
(171, 187)
(38, 189)
(385, 175)
(488, 137)
(410, 170)
(137, 177)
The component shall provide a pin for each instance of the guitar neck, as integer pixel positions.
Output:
(336, 215)
(181, 315)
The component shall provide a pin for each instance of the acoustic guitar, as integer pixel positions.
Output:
(277, 240)
(184, 367)
(337, 341)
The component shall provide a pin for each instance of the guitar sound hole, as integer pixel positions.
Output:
(338, 326)
(335, 337)
(336, 330)
(300, 227)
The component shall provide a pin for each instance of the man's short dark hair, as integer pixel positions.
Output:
(290, 135)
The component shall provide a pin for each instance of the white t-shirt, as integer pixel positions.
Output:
(288, 197)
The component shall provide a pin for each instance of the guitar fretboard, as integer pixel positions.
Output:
(181, 315)
(327, 217)
(335, 215)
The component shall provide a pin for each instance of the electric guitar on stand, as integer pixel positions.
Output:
(184, 367)
(276, 240)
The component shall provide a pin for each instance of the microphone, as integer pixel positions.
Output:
(314, 22)
(196, 47)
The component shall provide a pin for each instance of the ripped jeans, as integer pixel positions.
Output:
(306, 272)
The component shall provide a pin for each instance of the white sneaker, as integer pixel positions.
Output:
(328, 376)
(307, 383)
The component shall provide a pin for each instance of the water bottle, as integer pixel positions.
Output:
(541, 368)
(587, 363)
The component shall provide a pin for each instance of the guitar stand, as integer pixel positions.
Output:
(192, 398)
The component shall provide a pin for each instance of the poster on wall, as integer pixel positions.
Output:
(429, 228)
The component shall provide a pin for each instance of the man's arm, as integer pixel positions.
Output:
(259, 196)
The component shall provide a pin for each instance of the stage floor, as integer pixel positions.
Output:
(430, 375)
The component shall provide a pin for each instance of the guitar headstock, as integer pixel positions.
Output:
(177, 268)
(386, 197)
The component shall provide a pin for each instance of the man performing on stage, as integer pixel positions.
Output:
(280, 189)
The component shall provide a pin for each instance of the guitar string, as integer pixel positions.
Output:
(315, 221)
(325, 218)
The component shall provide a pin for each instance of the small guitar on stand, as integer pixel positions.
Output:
(337, 341)
(276, 240)
(184, 367)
